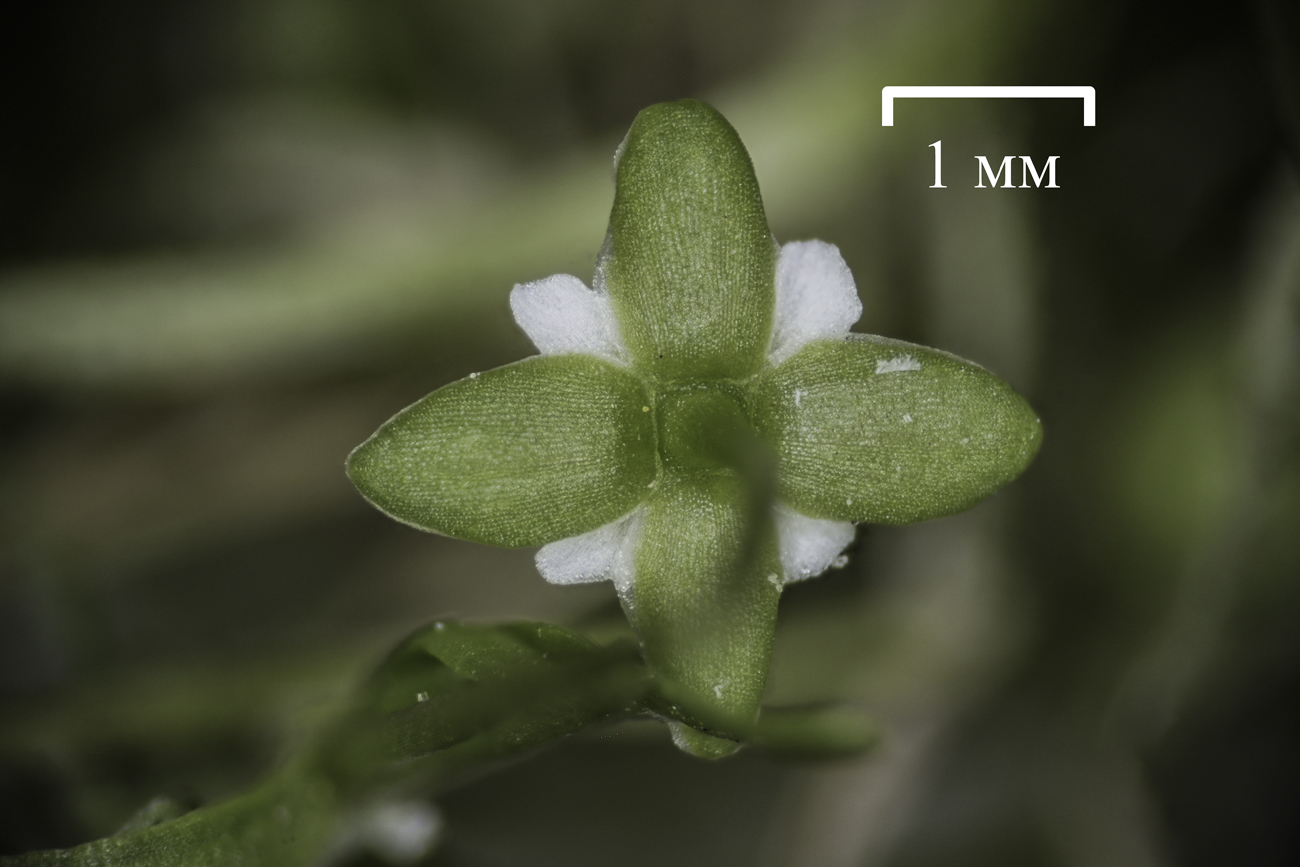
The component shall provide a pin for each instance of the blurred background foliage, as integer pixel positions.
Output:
(236, 236)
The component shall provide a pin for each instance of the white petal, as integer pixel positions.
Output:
(815, 297)
(605, 553)
(402, 832)
(561, 315)
(399, 832)
(809, 546)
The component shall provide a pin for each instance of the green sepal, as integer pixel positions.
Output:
(689, 262)
(538, 450)
(704, 601)
(873, 429)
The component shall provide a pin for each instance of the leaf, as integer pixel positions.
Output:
(689, 261)
(873, 429)
(447, 654)
(515, 686)
(525, 454)
(479, 652)
(493, 685)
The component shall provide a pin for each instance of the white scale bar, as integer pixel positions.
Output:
(1087, 94)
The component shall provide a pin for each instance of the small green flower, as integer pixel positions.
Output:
(700, 428)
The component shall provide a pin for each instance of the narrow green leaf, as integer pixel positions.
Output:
(446, 654)
(689, 262)
(872, 429)
(477, 651)
(480, 722)
(451, 685)
(525, 454)
(407, 677)
(705, 599)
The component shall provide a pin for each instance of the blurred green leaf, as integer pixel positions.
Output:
(464, 696)
(286, 822)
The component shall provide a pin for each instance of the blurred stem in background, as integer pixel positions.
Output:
(241, 233)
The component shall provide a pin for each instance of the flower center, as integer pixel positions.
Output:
(704, 428)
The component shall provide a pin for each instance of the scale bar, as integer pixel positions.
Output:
(1087, 94)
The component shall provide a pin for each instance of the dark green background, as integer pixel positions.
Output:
(1099, 665)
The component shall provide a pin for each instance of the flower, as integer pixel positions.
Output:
(700, 427)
